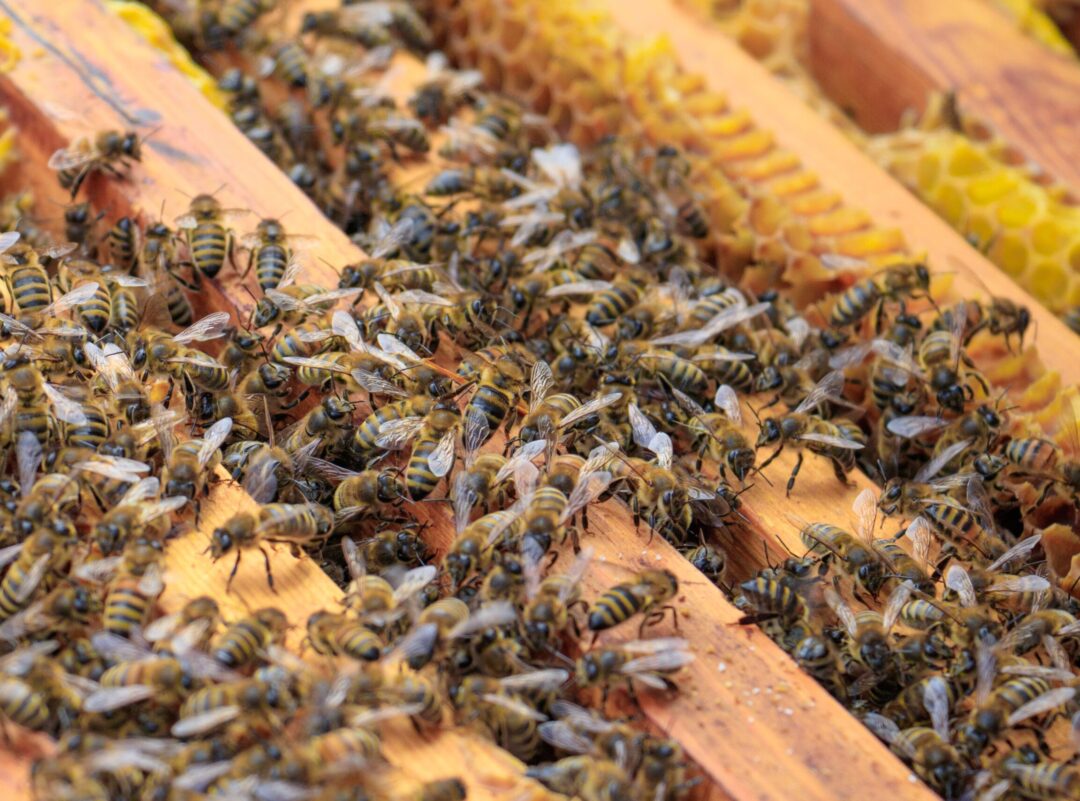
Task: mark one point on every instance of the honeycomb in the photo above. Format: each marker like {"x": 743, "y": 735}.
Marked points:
{"x": 1027, "y": 229}
{"x": 157, "y": 33}
{"x": 571, "y": 64}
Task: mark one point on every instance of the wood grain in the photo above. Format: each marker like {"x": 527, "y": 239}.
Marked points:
{"x": 879, "y": 58}
{"x": 824, "y": 150}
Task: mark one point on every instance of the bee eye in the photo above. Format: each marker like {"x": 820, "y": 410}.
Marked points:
{"x": 669, "y": 496}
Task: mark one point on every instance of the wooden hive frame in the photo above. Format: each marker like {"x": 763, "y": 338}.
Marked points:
{"x": 756, "y": 725}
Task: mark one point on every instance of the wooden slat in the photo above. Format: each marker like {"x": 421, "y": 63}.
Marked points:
{"x": 879, "y": 58}
{"x": 788, "y": 738}
{"x": 824, "y": 150}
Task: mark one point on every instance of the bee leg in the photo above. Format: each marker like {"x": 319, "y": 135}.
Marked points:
{"x": 235, "y": 567}
{"x": 841, "y": 475}
{"x": 269, "y": 572}
{"x": 794, "y": 474}
{"x": 674, "y": 615}
{"x": 769, "y": 461}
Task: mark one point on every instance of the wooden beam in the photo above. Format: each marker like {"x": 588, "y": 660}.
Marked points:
{"x": 825, "y": 151}
{"x": 880, "y": 58}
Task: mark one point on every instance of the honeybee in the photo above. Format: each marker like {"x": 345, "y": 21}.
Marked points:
{"x": 547, "y": 611}
{"x": 329, "y": 423}
{"x": 836, "y": 440}
{"x": 443, "y": 91}
{"x": 935, "y": 760}
{"x": 496, "y": 394}
{"x": 550, "y": 414}
{"x": 245, "y": 640}
{"x": 136, "y": 584}
{"x": 433, "y": 438}
{"x": 720, "y": 433}
{"x": 891, "y": 284}
{"x": 647, "y": 593}
{"x": 199, "y": 615}
{"x": 209, "y": 241}
{"x": 645, "y": 661}
{"x": 864, "y": 564}
{"x": 297, "y": 524}
{"x": 270, "y": 251}
{"x": 108, "y": 151}
{"x": 215, "y": 706}
{"x": 379, "y": 602}
{"x": 188, "y": 463}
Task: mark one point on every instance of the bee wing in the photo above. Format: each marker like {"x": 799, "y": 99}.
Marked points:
{"x": 642, "y": 427}
{"x": 592, "y": 407}
{"x": 723, "y": 355}
{"x": 661, "y": 662}
{"x": 914, "y": 426}
{"x": 395, "y": 434}
{"x": 918, "y": 534}
{"x": 163, "y": 627}
{"x": 956, "y": 331}
{"x": 78, "y": 153}
{"x": 18, "y": 329}
{"x": 978, "y": 502}
{"x": 1019, "y": 584}
{"x": 729, "y": 317}
{"x": 416, "y": 643}
{"x": 315, "y": 363}
{"x": 1044, "y": 703}
{"x": 689, "y": 405}
{"x": 897, "y": 598}
{"x": 99, "y": 570}
{"x": 65, "y": 408}
{"x": 936, "y": 702}
{"x": 421, "y": 296}
{"x": 442, "y": 458}
{"x": 284, "y": 301}
{"x": 578, "y": 288}
{"x": 562, "y": 735}
{"x": 392, "y": 307}
{"x": 141, "y": 490}
{"x": 69, "y": 300}
{"x": 165, "y": 506}
{"x": 116, "y": 468}
{"x": 503, "y": 520}
{"x": 1021, "y": 549}
{"x": 464, "y": 499}
{"x": 831, "y": 441}
{"x": 837, "y": 262}
{"x": 576, "y": 572}
{"x": 728, "y": 402}
{"x": 212, "y": 326}
{"x": 117, "y": 648}
{"x": 628, "y": 251}
{"x": 513, "y": 705}
{"x": 152, "y": 583}
{"x": 540, "y": 383}
{"x": 344, "y": 325}
{"x": 394, "y": 347}
{"x": 491, "y": 615}
{"x": 28, "y": 621}
{"x": 883, "y": 727}
{"x": 354, "y": 560}
{"x": 526, "y": 453}
{"x": 414, "y": 581}
{"x": 829, "y": 387}
{"x": 541, "y": 680}
{"x": 1039, "y": 671}
{"x": 260, "y": 481}
{"x": 32, "y": 579}
{"x": 8, "y": 240}
{"x": 588, "y": 489}
{"x": 28, "y": 457}
{"x": 108, "y": 699}
{"x": 195, "y": 725}
{"x": 842, "y": 611}
{"x": 958, "y": 580}
{"x": 865, "y": 508}
{"x": 376, "y": 385}
{"x": 330, "y": 296}
{"x": 1059, "y": 657}
{"x": 475, "y": 433}
{"x": 655, "y": 645}
{"x": 934, "y": 466}
{"x": 213, "y": 438}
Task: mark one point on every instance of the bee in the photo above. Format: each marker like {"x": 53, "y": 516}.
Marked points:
{"x": 378, "y": 602}
{"x": 1008, "y": 704}
{"x": 891, "y": 284}
{"x": 941, "y": 355}
{"x": 868, "y": 632}
{"x": 247, "y": 639}
{"x": 902, "y": 566}
{"x": 219, "y": 704}
{"x": 367, "y": 492}
{"x": 720, "y": 433}
{"x": 863, "y": 563}
{"x": 646, "y": 593}
{"x": 935, "y": 760}
{"x": 79, "y": 221}
{"x": 500, "y": 705}
{"x": 977, "y": 427}
{"x": 646, "y": 661}
{"x": 235, "y": 16}
{"x": 381, "y": 421}
{"x": 109, "y": 151}
{"x": 496, "y": 394}
{"x": 343, "y": 635}
{"x": 330, "y": 421}
{"x": 200, "y": 614}
{"x": 297, "y": 524}
{"x": 433, "y": 438}
{"x": 472, "y": 551}
{"x": 351, "y": 22}
{"x": 547, "y": 611}
{"x": 188, "y": 463}
{"x": 438, "y": 97}
{"x": 446, "y": 621}
{"x": 836, "y": 440}
{"x": 69, "y": 607}
{"x": 133, "y": 589}
{"x": 271, "y": 251}
{"x": 209, "y": 241}
{"x": 29, "y": 564}
{"x": 584, "y": 777}
{"x": 1037, "y": 778}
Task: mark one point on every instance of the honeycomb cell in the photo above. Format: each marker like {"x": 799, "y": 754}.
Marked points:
{"x": 990, "y": 187}
{"x": 1049, "y": 281}
{"x": 1016, "y": 210}
{"x": 1010, "y": 252}
{"x": 949, "y": 202}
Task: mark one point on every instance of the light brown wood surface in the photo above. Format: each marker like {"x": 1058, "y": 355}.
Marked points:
{"x": 879, "y": 58}
{"x": 824, "y": 150}
{"x": 785, "y": 739}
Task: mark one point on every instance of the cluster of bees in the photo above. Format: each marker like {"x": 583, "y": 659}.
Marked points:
{"x": 540, "y": 330}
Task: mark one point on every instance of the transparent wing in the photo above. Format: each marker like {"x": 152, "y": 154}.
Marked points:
{"x": 540, "y": 383}
{"x": 914, "y": 426}
{"x": 419, "y": 296}
{"x": 958, "y": 580}
{"x": 195, "y": 725}
{"x": 865, "y": 508}
{"x": 588, "y": 489}
{"x": 213, "y": 438}
{"x": 8, "y": 240}
{"x": 28, "y": 457}
{"x": 392, "y": 307}
{"x": 918, "y": 534}
{"x": 1018, "y": 551}
{"x": 212, "y": 326}
{"x": 897, "y": 598}
{"x": 112, "y": 698}
{"x": 442, "y": 458}
{"x": 377, "y": 385}
{"x": 728, "y": 402}
{"x": 661, "y": 662}
{"x": 832, "y": 442}
{"x": 475, "y": 433}
{"x": 578, "y": 288}
{"x": 315, "y": 363}
{"x": 260, "y": 480}
{"x": 934, "y": 466}
{"x": 592, "y": 407}
{"x": 662, "y": 446}
{"x": 1046, "y": 702}
{"x": 492, "y": 615}
{"x": 842, "y": 611}
{"x": 724, "y": 320}
{"x": 142, "y": 490}
{"x": 562, "y": 735}
{"x": 414, "y": 581}
{"x": 936, "y": 701}
{"x": 65, "y": 408}
{"x": 513, "y": 705}
{"x": 548, "y": 679}
{"x": 32, "y": 580}
{"x": 1006, "y": 583}
{"x": 397, "y": 433}
{"x": 78, "y": 153}
{"x": 883, "y": 727}
{"x": 76, "y": 297}
{"x": 575, "y": 573}
{"x": 829, "y": 387}
{"x": 395, "y": 347}
{"x": 642, "y": 427}
{"x": 688, "y": 404}
{"x": 979, "y": 503}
